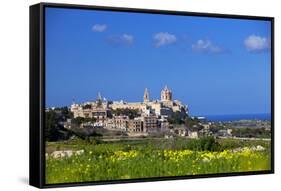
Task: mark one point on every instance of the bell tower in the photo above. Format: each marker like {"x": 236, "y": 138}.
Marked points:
{"x": 166, "y": 94}
{"x": 146, "y": 96}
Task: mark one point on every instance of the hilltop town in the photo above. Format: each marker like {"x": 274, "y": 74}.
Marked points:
{"x": 164, "y": 117}
{"x": 146, "y": 116}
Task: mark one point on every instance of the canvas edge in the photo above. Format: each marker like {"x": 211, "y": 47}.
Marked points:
{"x": 37, "y": 94}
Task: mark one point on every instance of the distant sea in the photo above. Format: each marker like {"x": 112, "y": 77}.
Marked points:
{"x": 236, "y": 117}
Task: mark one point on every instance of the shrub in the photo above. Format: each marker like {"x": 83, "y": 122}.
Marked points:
{"x": 207, "y": 143}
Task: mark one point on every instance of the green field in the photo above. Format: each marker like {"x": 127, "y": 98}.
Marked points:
{"x": 153, "y": 158}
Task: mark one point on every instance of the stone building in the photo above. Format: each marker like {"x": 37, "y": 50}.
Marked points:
{"x": 121, "y": 122}
{"x": 181, "y": 131}
{"x": 117, "y": 122}
{"x": 150, "y": 123}
{"x": 165, "y": 106}
{"x": 98, "y": 110}
{"x": 135, "y": 125}
{"x": 193, "y": 134}
{"x": 154, "y": 113}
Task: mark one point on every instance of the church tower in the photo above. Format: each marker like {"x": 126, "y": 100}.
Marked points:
{"x": 166, "y": 94}
{"x": 99, "y": 100}
{"x": 146, "y": 96}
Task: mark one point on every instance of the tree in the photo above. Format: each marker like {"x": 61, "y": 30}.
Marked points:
{"x": 87, "y": 106}
{"x": 90, "y": 119}
{"x": 78, "y": 120}
{"x": 66, "y": 112}
{"x": 85, "y": 133}
{"x": 176, "y": 118}
{"x": 51, "y": 125}
{"x": 192, "y": 123}
{"x": 131, "y": 113}
{"x": 207, "y": 143}
{"x": 215, "y": 128}
{"x": 53, "y": 130}
{"x": 251, "y": 132}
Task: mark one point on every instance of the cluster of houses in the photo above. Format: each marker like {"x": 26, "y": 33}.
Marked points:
{"x": 152, "y": 116}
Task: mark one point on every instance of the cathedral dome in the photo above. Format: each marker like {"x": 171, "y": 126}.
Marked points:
{"x": 166, "y": 94}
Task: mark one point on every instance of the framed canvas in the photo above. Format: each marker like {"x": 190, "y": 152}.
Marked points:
{"x": 131, "y": 95}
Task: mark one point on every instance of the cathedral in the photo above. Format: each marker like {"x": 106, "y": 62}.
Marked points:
{"x": 166, "y": 94}
{"x": 164, "y": 107}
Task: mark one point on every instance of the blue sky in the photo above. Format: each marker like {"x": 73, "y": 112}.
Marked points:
{"x": 214, "y": 65}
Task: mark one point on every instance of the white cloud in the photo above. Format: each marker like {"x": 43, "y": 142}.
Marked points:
{"x": 206, "y": 46}
{"x": 255, "y": 43}
{"x": 164, "y": 38}
{"x": 129, "y": 39}
{"x": 99, "y": 27}
{"x": 124, "y": 39}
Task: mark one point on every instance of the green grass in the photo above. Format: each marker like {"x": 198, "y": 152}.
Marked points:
{"x": 150, "y": 158}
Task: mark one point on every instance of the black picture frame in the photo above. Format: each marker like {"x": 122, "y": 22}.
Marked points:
{"x": 37, "y": 92}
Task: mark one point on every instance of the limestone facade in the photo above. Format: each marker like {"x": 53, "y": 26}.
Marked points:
{"x": 153, "y": 113}
{"x": 165, "y": 106}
